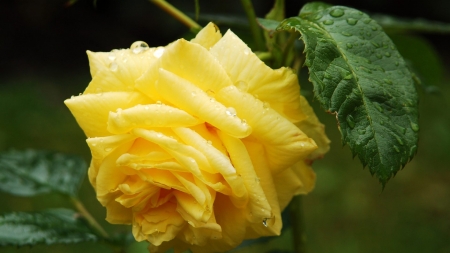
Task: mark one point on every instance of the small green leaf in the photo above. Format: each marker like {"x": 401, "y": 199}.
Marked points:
{"x": 31, "y": 172}
{"x": 49, "y": 227}
{"x": 267, "y": 24}
{"x": 396, "y": 25}
{"x": 359, "y": 75}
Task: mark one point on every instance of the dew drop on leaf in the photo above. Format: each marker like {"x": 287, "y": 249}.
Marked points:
{"x": 350, "y": 121}
{"x": 338, "y": 12}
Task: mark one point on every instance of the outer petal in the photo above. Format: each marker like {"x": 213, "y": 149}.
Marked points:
{"x": 284, "y": 143}
{"x": 277, "y": 87}
{"x": 92, "y": 110}
{"x": 312, "y": 127}
{"x": 208, "y": 36}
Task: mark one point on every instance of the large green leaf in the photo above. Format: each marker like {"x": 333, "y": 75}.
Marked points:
{"x": 401, "y": 25}
{"x": 50, "y": 226}
{"x": 31, "y": 172}
{"x": 359, "y": 76}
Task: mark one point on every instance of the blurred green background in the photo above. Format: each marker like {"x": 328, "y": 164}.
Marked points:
{"x": 43, "y": 62}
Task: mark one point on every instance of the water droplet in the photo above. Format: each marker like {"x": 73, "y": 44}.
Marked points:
{"x": 264, "y": 222}
{"x": 138, "y": 47}
{"x": 414, "y": 127}
{"x": 246, "y": 51}
{"x": 146, "y": 108}
{"x": 108, "y": 149}
{"x": 125, "y": 60}
{"x": 158, "y": 52}
{"x": 338, "y": 12}
{"x": 241, "y": 85}
{"x": 352, "y": 21}
{"x": 361, "y": 131}
{"x": 368, "y": 34}
{"x": 367, "y": 20}
{"x": 399, "y": 140}
{"x": 388, "y": 81}
{"x": 345, "y": 33}
{"x": 327, "y": 76}
{"x": 243, "y": 122}
{"x": 379, "y": 108}
{"x": 396, "y": 63}
{"x": 374, "y": 28}
{"x": 387, "y": 54}
{"x": 210, "y": 93}
{"x": 349, "y": 45}
{"x": 412, "y": 150}
{"x": 348, "y": 77}
{"x": 365, "y": 69}
{"x": 113, "y": 66}
{"x": 159, "y": 135}
{"x": 230, "y": 111}
{"x": 379, "y": 56}
{"x": 209, "y": 142}
{"x": 396, "y": 149}
{"x": 193, "y": 93}
{"x": 328, "y": 22}
{"x": 158, "y": 103}
{"x": 112, "y": 56}
{"x": 266, "y": 106}
{"x": 350, "y": 121}
{"x": 318, "y": 16}
{"x": 212, "y": 100}
{"x": 375, "y": 44}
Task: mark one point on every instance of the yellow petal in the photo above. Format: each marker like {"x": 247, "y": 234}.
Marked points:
{"x": 180, "y": 93}
{"x": 92, "y": 110}
{"x": 219, "y": 162}
{"x": 286, "y": 184}
{"x": 278, "y": 87}
{"x": 306, "y": 175}
{"x": 122, "y": 67}
{"x": 147, "y": 116}
{"x": 264, "y": 178}
{"x": 283, "y": 142}
{"x": 258, "y": 207}
{"x": 312, "y": 127}
{"x": 116, "y": 213}
{"x": 190, "y": 205}
{"x": 208, "y": 36}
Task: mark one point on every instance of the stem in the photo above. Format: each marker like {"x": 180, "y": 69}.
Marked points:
{"x": 264, "y": 56}
{"x": 288, "y": 48}
{"x": 177, "y": 14}
{"x": 254, "y": 28}
{"x": 80, "y": 207}
{"x": 298, "y": 225}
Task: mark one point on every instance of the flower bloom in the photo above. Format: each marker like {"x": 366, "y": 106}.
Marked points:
{"x": 197, "y": 144}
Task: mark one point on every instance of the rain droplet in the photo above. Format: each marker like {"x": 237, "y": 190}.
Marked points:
{"x": 209, "y": 142}
{"x": 327, "y": 76}
{"x": 412, "y": 150}
{"x": 210, "y": 93}
{"x": 338, "y": 12}
{"x": 112, "y": 56}
{"x": 328, "y": 22}
{"x": 158, "y": 103}
{"x": 146, "y": 108}
{"x": 375, "y": 44}
{"x": 318, "y": 16}
{"x": 399, "y": 140}
{"x": 402, "y": 129}
{"x": 108, "y": 149}
{"x": 139, "y": 47}
{"x": 266, "y": 106}
{"x": 264, "y": 222}
{"x": 246, "y": 51}
{"x": 352, "y": 21}
{"x": 379, "y": 56}
{"x": 374, "y": 28}
{"x": 159, "y": 135}
{"x": 193, "y": 93}
{"x": 345, "y": 33}
{"x": 396, "y": 63}
{"x": 367, "y": 20}
{"x": 388, "y": 81}
{"x": 212, "y": 100}
{"x": 381, "y": 122}
{"x": 379, "y": 108}
{"x": 241, "y": 85}
{"x": 348, "y": 77}
{"x": 387, "y": 54}
{"x": 414, "y": 127}
{"x": 158, "y": 52}
{"x": 349, "y": 45}
{"x": 230, "y": 111}
{"x": 396, "y": 149}
{"x": 361, "y": 131}
{"x": 350, "y": 121}
{"x": 243, "y": 122}
{"x": 113, "y": 66}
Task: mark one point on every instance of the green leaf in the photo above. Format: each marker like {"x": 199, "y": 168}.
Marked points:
{"x": 267, "y": 24}
{"x": 397, "y": 25}
{"x": 31, "y": 172}
{"x": 359, "y": 76}
{"x": 49, "y": 227}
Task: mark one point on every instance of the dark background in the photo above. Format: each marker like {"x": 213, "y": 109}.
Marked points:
{"x": 43, "y": 62}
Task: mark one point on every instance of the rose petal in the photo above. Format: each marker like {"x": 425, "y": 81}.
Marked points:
{"x": 147, "y": 116}
{"x": 208, "y": 36}
{"x": 306, "y": 175}
{"x": 92, "y": 110}
{"x": 312, "y": 127}
{"x": 284, "y": 143}
{"x": 277, "y": 87}
{"x": 179, "y": 92}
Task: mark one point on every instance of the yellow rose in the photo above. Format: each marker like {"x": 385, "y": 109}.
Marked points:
{"x": 196, "y": 144}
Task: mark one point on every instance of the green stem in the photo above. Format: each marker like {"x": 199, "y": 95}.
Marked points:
{"x": 264, "y": 56}
{"x": 85, "y": 213}
{"x": 177, "y": 14}
{"x": 289, "y": 47}
{"x": 254, "y": 28}
{"x": 298, "y": 224}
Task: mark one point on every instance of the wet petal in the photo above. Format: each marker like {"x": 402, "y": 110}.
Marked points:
{"x": 179, "y": 92}
{"x": 147, "y": 116}
{"x": 284, "y": 143}
{"x": 277, "y": 87}
{"x": 92, "y": 110}
{"x": 208, "y": 36}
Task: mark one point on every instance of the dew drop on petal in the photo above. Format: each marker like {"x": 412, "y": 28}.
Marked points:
{"x": 139, "y": 47}
{"x": 264, "y": 222}
{"x": 242, "y": 85}
{"x": 158, "y": 103}
{"x": 230, "y": 111}
{"x": 113, "y": 66}
{"x": 158, "y": 52}
{"x": 112, "y": 56}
